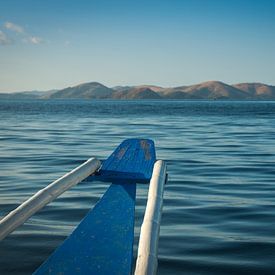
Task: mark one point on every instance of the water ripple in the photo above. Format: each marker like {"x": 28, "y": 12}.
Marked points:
{"x": 219, "y": 209}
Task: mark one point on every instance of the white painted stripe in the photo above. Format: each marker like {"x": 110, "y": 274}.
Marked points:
{"x": 18, "y": 216}
{"x": 147, "y": 259}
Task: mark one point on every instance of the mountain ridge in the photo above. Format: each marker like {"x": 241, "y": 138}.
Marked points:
{"x": 209, "y": 90}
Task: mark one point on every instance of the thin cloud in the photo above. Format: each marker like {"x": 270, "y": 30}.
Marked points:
{"x": 4, "y": 39}
{"x": 19, "y": 30}
{"x": 14, "y": 27}
{"x": 35, "y": 40}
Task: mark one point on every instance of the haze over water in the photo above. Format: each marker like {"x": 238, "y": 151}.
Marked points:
{"x": 219, "y": 209}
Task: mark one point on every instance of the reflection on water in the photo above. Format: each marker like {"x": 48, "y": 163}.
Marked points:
{"x": 219, "y": 209}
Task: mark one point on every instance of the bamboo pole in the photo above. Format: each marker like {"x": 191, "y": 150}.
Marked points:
{"x": 147, "y": 259}
{"x": 18, "y": 216}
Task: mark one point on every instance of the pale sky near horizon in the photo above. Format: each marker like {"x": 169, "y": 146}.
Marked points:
{"x": 54, "y": 44}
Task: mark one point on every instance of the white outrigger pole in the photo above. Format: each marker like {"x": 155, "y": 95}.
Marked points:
{"x": 147, "y": 259}
{"x": 18, "y": 216}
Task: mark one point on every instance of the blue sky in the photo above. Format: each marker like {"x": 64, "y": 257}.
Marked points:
{"x": 55, "y": 44}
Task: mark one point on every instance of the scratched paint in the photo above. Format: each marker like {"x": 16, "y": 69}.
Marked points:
{"x": 122, "y": 152}
{"x": 146, "y": 148}
{"x": 133, "y": 159}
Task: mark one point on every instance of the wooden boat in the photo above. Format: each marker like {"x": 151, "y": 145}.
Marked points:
{"x": 103, "y": 241}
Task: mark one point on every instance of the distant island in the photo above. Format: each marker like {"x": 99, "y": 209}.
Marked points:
{"x": 211, "y": 90}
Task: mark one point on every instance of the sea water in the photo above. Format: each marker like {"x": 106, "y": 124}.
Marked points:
{"x": 219, "y": 203}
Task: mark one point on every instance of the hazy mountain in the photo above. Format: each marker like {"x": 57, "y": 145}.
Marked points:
{"x": 153, "y": 88}
{"x": 136, "y": 93}
{"x": 26, "y": 95}
{"x": 127, "y": 88}
{"x": 205, "y": 90}
{"x": 92, "y": 90}
{"x": 209, "y": 90}
{"x": 173, "y": 91}
{"x": 17, "y": 96}
{"x": 257, "y": 90}
{"x": 121, "y": 88}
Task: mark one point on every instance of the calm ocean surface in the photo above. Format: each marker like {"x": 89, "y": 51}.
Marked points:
{"x": 219, "y": 205}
